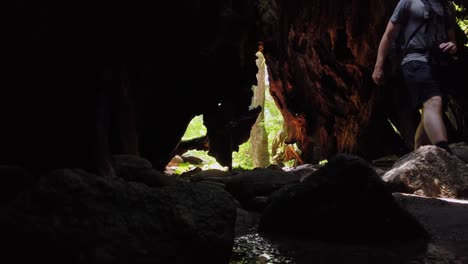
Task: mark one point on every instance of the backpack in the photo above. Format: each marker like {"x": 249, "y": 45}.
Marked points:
{"x": 398, "y": 50}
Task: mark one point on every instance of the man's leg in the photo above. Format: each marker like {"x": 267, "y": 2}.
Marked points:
{"x": 433, "y": 122}
{"x": 420, "y": 137}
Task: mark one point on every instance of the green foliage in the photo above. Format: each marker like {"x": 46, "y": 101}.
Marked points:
{"x": 183, "y": 167}
{"x": 208, "y": 161}
{"x": 243, "y": 158}
{"x": 323, "y": 162}
{"x": 195, "y": 128}
{"x": 462, "y": 21}
{"x": 273, "y": 119}
{"x": 289, "y": 163}
{"x": 394, "y": 127}
{"x": 273, "y": 123}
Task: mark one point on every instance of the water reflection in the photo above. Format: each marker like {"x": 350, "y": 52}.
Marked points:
{"x": 253, "y": 248}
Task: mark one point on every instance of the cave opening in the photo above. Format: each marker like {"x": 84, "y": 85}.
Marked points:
{"x": 97, "y": 98}
{"x": 265, "y": 146}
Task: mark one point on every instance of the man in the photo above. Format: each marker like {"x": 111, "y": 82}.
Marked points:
{"x": 427, "y": 29}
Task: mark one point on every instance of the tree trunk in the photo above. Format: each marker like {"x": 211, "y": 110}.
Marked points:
{"x": 320, "y": 56}
{"x": 258, "y": 134}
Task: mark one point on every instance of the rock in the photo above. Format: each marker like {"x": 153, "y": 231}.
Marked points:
{"x": 246, "y": 186}
{"x": 260, "y": 202}
{"x": 431, "y": 171}
{"x": 460, "y": 150}
{"x": 344, "y": 201}
{"x": 175, "y": 161}
{"x": 304, "y": 170}
{"x": 274, "y": 167}
{"x": 137, "y": 169}
{"x": 246, "y": 222}
{"x": 380, "y": 171}
{"x": 386, "y": 161}
{"x": 187, "y": 175}
{"x": 72, "y": 216}
{"x": 211, "y": 174}
{"x": 216, "y": 184}
{"x": 192, "y": 159}
{"x": 444, "y": 219}
{"x": 263, "y": 259}
{"x": 259, "y": 182}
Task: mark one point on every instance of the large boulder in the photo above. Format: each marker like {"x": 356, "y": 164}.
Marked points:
{"x": 343, "y": 201}
{"x": 70, "y": 216}
{"x": 431, "y": 171}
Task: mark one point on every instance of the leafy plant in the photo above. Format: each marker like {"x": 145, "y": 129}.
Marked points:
{"x": 208, "y": 161}
{"x": 462, "y": 19}
{"x": 273, "y": 119}
{"x": 243, "y": 157}
{"x": 195, "y": 128}
{"x": 183, "y": 167}
{"x": 273, "y": 123}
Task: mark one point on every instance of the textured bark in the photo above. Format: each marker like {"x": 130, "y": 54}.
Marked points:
{"x": 258, "y": 134}
{"x": 227, "y": 61}
{"x": 99, "y": 79}
{"x": 320, "y": 56}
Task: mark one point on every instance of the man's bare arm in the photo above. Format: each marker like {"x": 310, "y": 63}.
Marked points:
{"x": 389, "y": 35}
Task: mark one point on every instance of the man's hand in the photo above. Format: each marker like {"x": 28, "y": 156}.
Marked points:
{"x": 448, "y": 47}
{"x": 378, "y": 76}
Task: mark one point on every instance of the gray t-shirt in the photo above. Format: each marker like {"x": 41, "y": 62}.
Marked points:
{"x": 411, "y": 14}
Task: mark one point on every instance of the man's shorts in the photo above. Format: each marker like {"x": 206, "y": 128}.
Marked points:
{"x": 421, "y": 81}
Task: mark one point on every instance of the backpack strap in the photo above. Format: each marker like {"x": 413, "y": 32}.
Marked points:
{"x": 426, "y": 19}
